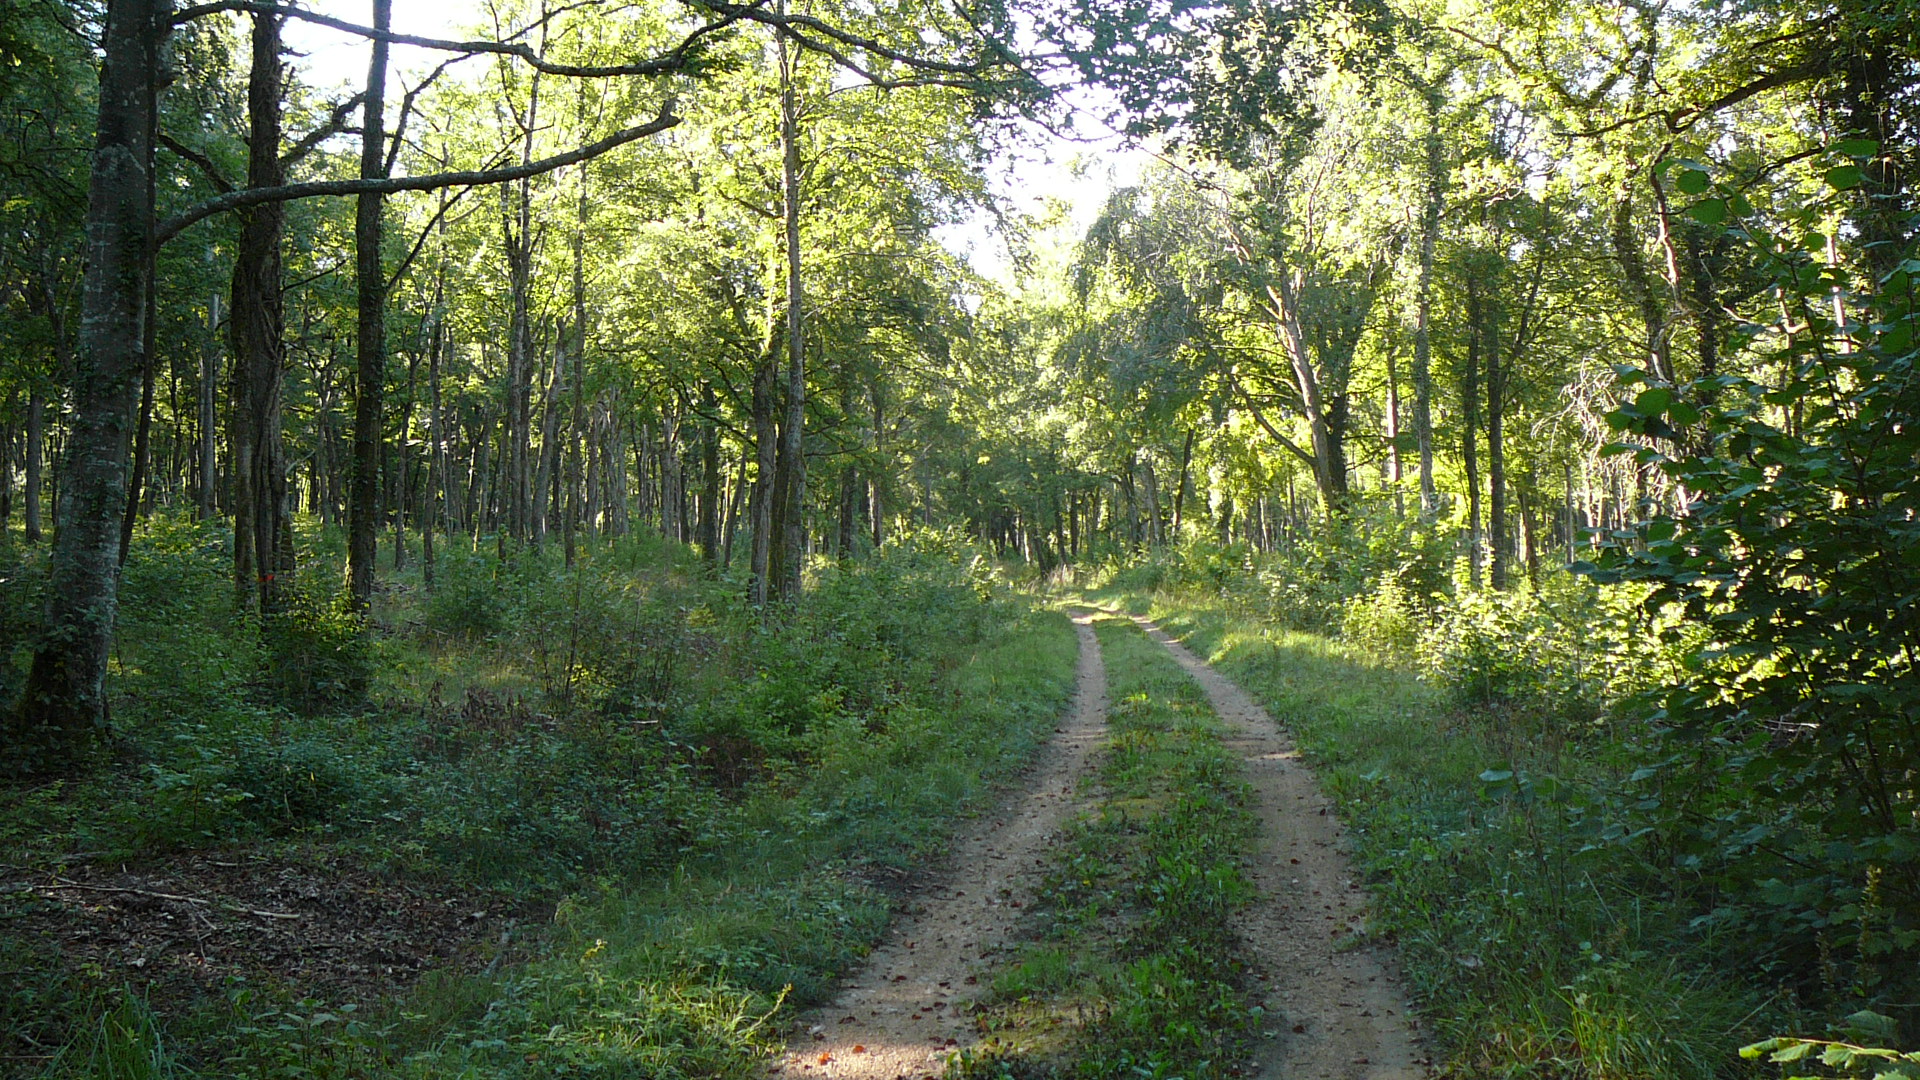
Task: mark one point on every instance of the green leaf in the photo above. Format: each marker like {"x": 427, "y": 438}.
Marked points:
{"x": 1653, "y": 401}
{"x": 1691, "y": 180}
{"x": 1857, "y": 148}
{"x": 1844, "y": 177}
{"x": 1793, "y": 1051}
{"x": 1708, "y": 211}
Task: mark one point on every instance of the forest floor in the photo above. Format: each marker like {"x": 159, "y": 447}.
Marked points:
{"x": 1331, "y": 1000}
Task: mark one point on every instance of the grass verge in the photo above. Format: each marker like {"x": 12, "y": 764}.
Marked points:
{"x": 1132, "y": 968}
{"x": 1533, "y": 949}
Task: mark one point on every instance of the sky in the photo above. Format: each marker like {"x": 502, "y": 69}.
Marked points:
{"x": 1045, "y": 167}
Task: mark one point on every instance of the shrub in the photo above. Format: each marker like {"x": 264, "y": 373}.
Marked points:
{"x": 1383, "y": 622}
{"x": 316, "y": 651}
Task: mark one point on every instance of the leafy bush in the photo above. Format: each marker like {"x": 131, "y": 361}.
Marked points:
{"x": 468, "y": 599}
{"x": 316, "y": 650}
{"x": 1790, "y": 741}
{"x": 1383, "y": 622}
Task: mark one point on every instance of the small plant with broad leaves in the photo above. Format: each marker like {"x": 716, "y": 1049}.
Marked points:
{"x": 1840, "y": 1058}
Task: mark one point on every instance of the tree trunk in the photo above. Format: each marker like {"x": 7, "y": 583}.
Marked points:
{"x": 760, "y": 514}
{"x": 1496, "y": 456}
{"x": 143, "y": 430}
{"x": 1423, "y": 325}
{"x": 370, "y": 276}
{"x": 793, "y": 459}
{"x": 1395, "y": 469}
{"x": 430, "y": 515}
{"x": 1469, "y": 433}
{"x": 548, "y": 469}
{"x": 1180, "y": 492}
{"x": 875, "y": 501}
{"x": 36, "y": 447}
{"x": 62, "y": 712}
{"x": 1150, "y": 487}
{"x": 257, "y": 325}
{"x": 209, "y": 413}
{"x": 709, "y": 475}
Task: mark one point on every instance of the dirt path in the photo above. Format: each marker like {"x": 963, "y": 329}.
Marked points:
{"x": 1340, "y": 1010}
{"x": 902, "y": 1013}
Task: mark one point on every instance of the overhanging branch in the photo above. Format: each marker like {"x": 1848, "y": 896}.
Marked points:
{"x": 245, "y": 197}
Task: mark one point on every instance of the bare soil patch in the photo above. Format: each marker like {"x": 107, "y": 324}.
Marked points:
{"x": 184, "y": 926}
{"x": 907, "y": 1009}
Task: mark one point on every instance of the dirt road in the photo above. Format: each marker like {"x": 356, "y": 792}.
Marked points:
{"x": 1335, "y": 1007}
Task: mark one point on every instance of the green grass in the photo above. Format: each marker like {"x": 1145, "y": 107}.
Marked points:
{"x": 1532, "y": 949}
{"x": 1132, "y": 969}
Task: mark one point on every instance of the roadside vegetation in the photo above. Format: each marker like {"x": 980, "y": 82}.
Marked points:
{"x": 1132, "y": 970}
{"x": 659, "y": 823}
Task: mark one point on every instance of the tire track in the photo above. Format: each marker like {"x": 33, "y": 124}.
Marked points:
{"x": 905, "y": 1010}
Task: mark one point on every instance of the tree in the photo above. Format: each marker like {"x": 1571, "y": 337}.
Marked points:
{"x": 61, "y": 714}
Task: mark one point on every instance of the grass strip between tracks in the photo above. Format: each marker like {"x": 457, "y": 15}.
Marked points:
{"x": 1132, "y": 969}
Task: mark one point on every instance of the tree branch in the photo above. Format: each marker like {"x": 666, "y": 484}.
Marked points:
{"x": 198, "y": 159}
{"x": 336, "y": 124}
{"x": 245, "y": 197}
{"x": 679, "y": 58}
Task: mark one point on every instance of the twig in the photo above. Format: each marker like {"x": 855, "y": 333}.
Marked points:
{"x": 66, "y": 884}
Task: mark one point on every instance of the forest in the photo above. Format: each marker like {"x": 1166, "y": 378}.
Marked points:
{"x": 543, "y": 553}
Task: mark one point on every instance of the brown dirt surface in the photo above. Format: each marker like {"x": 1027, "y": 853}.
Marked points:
{"x": 907, "y": 1009}
{"x": 182, "y": 926}
{"x": 1334, "y": 998}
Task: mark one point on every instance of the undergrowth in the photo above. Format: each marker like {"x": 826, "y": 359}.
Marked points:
{"x": 1132, "y": 970}
{"x": 704, "y": 799}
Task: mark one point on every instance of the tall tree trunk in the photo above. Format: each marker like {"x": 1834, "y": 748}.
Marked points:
{"x": 257, "y": 325}
{"x": 547, "y": 469}
{"x": 36, "y": 447}
{"x": 1496, "y": 456}
{"x": 6, "y": 474}
{"x": 576, "y": 441}
{"x": 363, "y": 515}
{"x": 672, "y": 523}
{"x": 876, "y": 504}
{"x": 516, "y": 204}
{"x": 1180, "y": 491}
{"x": 143, "y": 427}
{"x": 402, "y": 460}
{"x": 1469, "y": 431}
{"x": 793, "y": 459}
{"x": 618, "y": 510}
{"x": 732, "y": 525}
{"x": 1423, "y": 326}
{"x": 62, "y": 711}
{"x": 709, "y": 475}
{"x": 209, "y": 413}
{"x": 760, "y": 513}
{"x": 1395, "y": 467}
{"x": 430, "y": 514}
